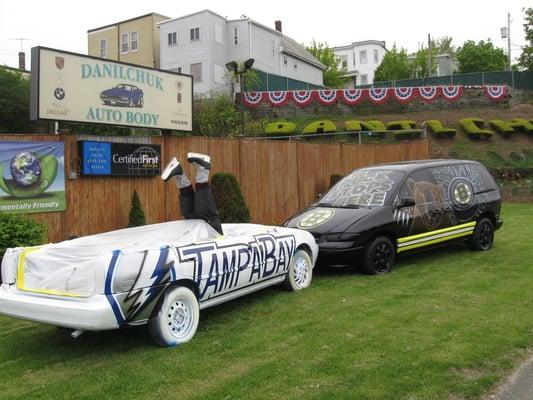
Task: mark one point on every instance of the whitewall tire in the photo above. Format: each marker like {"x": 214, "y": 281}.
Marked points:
{"x": 300, "y": 271}
{"x": 176, "y": 319}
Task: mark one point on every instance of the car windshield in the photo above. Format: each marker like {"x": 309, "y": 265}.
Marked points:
{"x": 120, "y": 86}
{"x": 364, "y": 187}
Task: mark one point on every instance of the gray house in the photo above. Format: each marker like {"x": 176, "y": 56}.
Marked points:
{"x": 201, "y": 44}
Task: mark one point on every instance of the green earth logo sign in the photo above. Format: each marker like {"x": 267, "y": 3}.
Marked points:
{"x": 31, "y": 174}
{"x": 315, "y": 218}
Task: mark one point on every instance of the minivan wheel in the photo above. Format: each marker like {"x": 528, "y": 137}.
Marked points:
{"x": 379, "y": 256}
{"x": 483, "y": 235}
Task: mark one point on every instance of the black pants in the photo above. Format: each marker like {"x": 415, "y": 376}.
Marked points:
{"x": 200, "y": 205}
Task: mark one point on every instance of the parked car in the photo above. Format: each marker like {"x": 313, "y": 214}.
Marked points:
{"x": 160, "y": 274}
{"x": 375, "y": 213}
{"x": 123, "y": 95}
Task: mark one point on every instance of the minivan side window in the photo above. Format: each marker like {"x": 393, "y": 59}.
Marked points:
{"x": 481, "y": 178}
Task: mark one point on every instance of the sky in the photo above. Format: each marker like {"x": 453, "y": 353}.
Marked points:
{"x": 63, "y": 24}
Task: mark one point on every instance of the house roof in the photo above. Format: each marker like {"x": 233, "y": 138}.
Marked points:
{"x": 361, "y": 43}
{"x": 126, "y": 20}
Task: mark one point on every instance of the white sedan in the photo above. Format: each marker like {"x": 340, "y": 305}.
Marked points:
{"x": 160, "y": 274}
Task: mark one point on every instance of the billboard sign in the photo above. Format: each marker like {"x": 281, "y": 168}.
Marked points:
{"x": 32, "y": 177}
{"x": 78, "y": 88}
{"x": 124, "y": 159}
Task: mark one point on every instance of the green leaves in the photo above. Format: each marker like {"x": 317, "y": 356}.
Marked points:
{"x": 526, "y": 58}
{"x": 394, "y": 65}
{"x": 480, "y": 57}
{"x": 334, "y": 74}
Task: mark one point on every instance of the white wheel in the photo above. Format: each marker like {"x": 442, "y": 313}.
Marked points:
{"x": 300, "y": 271}
{"x": 177, "y": 318}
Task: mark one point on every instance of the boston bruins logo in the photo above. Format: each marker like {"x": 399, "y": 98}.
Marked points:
{"x": 315, "y": 218}
{"x": 462, "y": 193}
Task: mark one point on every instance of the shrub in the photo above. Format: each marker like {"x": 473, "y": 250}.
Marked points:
{"x": 501, "y": 127}
{"x": 334, "y": 178}
{"x": 405, "y": 134}
{"x": 280, "y": 128}
{"x": 216, "y": 117}
{"x": 18, "y": 230}
{"x": 320, "y": 127}
{"x": 439, "y": 130}
{"x": 353, "y": 126}
{"x": 229, "y": 199}
{"x": 472, "y": 127}
{"x": 374, "y": 126}
{"x": 522, "y": 125}
{"x": 399, "y": 125}
{"x": 377, "y": 125}
{"x": 136, "y": 217}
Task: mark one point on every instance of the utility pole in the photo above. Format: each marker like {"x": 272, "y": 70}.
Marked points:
{"x": 429, "y": 55}
{"x": 509, "y": 40}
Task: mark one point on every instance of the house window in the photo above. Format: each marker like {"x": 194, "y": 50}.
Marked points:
{"x": 103, "y": 48}
{"x": 134, "y": 44}
{"x": 179, "y": 70}
{"x": 353, "y": 58}
{"x": 364, "y": 79}
{"x": 196, "y": 72}
{"x": 344, "y": 61}
{"x": 362, "y": 56}
{"x": 273, "y": 43}
{"x": 219, "y": 38}
{"x": 173, "y": 38}
{"x": 235, "y": 35}
{"x": 284, "y": 60}
{"x": 376, "y": 57}
{"x": 195, "y": 34}
{"x": 295, "y": 66}
{"x": 124, "y": 43}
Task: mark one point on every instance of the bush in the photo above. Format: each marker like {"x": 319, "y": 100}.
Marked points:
{"x": 280, "y": 128}
{"x": 401, "y": 125}
{"x": 216, "y": 117}
{"x": 14, "y": 102}
{"x": 352, "y": 126}
{"x": 320, "y": 127}
{"x": 501, "y": 127}
{"x": 472, "y": 127}
{"x": 439, "y": 130}
{"x": 17, "y": 230}
{"x": 229, "y": 199}
{"x": 406, "y": 134}
{"x": 522, "y": 125}
{"x": 334, "y": 178}
{"x": 374, "y": 126}
{"x": 137, "y": 217}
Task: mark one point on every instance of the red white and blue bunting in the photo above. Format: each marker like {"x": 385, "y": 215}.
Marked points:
{"x": 353, "y": 97}
{"x": 495, "y": 93}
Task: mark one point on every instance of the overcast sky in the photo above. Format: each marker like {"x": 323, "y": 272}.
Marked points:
{"x": 63, "y": 24}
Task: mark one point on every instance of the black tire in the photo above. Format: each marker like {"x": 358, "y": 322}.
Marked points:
{"x": 140, "y": 102}
{"x": 378, "y": 257}
{"x": 176, "y": 318}
{"x": 483, "y": 236}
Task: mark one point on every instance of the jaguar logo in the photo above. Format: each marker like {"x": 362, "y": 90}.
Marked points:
{"x": 60, "y": 62}
{"x": 315, "y": 218}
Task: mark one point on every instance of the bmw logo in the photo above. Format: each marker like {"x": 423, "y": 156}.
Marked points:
{"x": 315, "y": 218}
{"x": 59, "y": 93}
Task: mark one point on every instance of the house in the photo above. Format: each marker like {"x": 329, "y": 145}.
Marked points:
{"x": 361, "y": 60}
{"x": 135, "y": 40}
{"x": 446, "y": 65}
{"x": 201, "y": 44}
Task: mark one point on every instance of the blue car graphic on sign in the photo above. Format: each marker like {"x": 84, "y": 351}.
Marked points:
{"x": 123, "y": 95}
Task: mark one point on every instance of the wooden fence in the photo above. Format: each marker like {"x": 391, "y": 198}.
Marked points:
{"x": 277, "y": 178}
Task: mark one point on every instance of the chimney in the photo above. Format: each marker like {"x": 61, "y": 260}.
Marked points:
{"x": 278, "y": 26}
{"x": 22, "y": 60}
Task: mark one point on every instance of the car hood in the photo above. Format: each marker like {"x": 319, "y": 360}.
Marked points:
{"x": 113, "y": 92}
{"x": 321, "y": 220}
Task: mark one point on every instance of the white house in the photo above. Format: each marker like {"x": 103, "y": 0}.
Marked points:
{"x": 361, "y": 60}
{"x": 201, "y": 44}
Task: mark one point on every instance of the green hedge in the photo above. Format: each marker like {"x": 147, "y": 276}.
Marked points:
{"x": 17, "y": 230}
{"x": 405, "y": 134}
{"x": 472, "y": 127}
{"x": 501, "y": 127}
{"x": 280, "y": 128}
{"x": 401, "y": 125}
{"x": 229, "y": 199}
{"x": 320, "y": 127}
{"x": 522, "y": 125}
{"x": 353, "y": 126}
{"x": 439, "y": 130}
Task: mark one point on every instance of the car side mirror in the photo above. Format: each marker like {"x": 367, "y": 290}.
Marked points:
{"x": 406, "y": 202}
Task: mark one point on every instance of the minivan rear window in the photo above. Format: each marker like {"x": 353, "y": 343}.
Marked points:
{"x": 363, "y": 188}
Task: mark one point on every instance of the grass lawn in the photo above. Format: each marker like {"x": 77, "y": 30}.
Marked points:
{"x": 441, "y": 325}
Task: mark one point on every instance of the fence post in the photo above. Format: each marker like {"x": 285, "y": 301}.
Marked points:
{"x": 482, "y": 79}
{"x": 512, "y": 79}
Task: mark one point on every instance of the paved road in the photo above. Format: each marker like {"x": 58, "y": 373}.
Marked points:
{"x": 519, "y": 386}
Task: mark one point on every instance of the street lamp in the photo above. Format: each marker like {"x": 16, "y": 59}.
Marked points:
{"x": 240, "y": 71}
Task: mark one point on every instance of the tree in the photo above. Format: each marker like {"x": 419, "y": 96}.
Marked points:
{"x": 137, "y": 217}
{"x": 14, "y": 102}
{"x": 526, "y": 58}
{"x": 419, "y": 65}
{"x": 229, "y": 199}
{"x": 480, "y": 57}
{"x": 443, "y": 45}
{"x": 394, "y": 65}
{"x": 334, "y": 74}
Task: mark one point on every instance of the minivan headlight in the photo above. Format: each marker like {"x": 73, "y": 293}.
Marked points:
{"x": 342, "y": 237}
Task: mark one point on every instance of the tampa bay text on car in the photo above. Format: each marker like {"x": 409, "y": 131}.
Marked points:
{"x": 375, "y": 213}
{"x": 160, "y": 274}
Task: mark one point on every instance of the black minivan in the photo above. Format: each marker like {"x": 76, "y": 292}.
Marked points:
{"x": 377, "y": 212}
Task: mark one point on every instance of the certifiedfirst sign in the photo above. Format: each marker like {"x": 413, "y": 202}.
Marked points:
{"x": 126, "y": 159}
{"x": 73, "y": 87}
